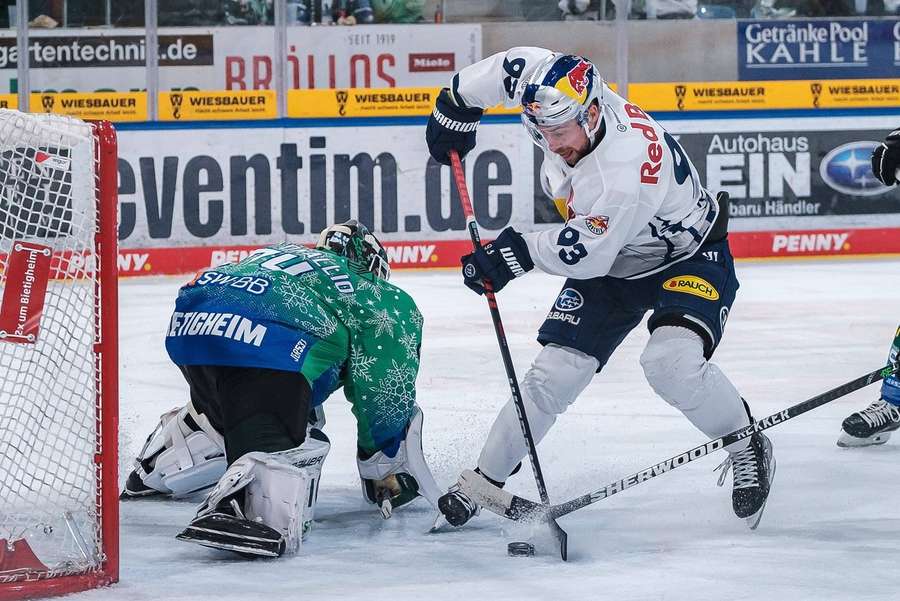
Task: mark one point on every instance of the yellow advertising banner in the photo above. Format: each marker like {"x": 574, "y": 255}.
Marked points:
{"x": 368, "y": 102}
{"x": 855, "y": 93}
{"x": 219, "y": 105}
{"x": 9, "y": 101}
{"x": 751, "y": 95}
{"x": 113, "y": 106}
{"x": 361, "y": 102}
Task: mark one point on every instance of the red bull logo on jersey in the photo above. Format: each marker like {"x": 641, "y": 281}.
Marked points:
{"x": 691, "y": 284}
{"x": 641, "y": 122}
{"x": 576, "y": 83}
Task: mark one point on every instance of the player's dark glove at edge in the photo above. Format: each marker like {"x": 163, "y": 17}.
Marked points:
{"x": 886, "y": 159}
{"x": 499, "y": 261}
{"x": 451, "y": 127}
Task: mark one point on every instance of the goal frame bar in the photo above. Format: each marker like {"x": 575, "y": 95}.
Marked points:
{"x": 106, "y": 365}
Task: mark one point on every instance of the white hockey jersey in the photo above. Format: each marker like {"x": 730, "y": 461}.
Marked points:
{"x": 633, "y": 205}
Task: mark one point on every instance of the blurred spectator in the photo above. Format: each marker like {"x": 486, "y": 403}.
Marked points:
{"x": 398, "y": 11}
{"x": 353, "y": 12}
{"x": 171, "y": 13}
{"x": 41, "y": 13}
{"x": 249, "y": 12}
{"x": 579, "y": 10}
{"x": 664, "y": 9}
{"x": 342, "y": 12}
{"x": 766, "y": 9}
{"x": 671, "y": 9}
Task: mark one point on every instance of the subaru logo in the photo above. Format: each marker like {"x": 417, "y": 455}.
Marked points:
{"x": 469, "y": 270}
{"x": 848, "y": 169}
{"x": 569, "y": 300}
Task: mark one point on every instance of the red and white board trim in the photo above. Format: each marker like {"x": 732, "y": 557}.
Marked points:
{"x": 421, "y": 254}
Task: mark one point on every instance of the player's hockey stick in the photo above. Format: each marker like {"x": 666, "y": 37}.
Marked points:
{"x": 514, "y": 507}
{"x": 460, "y": 177}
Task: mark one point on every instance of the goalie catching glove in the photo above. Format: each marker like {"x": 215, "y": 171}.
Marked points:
{"x": 391, "y": 481}
{"x": 499, "y": 261}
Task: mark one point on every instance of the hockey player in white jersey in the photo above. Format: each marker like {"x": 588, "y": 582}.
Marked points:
{"x": 640, "y": 234}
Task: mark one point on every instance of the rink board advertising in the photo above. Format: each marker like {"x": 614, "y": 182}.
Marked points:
{"x": 766, "y": 95}
{"x": 818, "y": 49}
{"x": 198, "y": 197}
{"x": 241, "y": 58}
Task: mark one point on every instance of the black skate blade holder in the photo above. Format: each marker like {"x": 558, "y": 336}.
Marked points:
{"x": 561, "y": 537}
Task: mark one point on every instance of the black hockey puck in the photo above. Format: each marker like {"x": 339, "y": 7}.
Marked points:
{"x": 520, "y": 549}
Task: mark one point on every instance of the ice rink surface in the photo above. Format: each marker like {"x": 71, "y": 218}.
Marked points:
{"x": 831, "y": 530}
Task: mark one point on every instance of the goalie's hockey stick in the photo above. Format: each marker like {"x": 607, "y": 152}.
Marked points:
{"x": 514, "y": 507}
{"x": 460, "y": 177}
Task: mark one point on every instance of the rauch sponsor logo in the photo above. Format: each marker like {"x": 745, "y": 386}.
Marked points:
{"x": 691, "y": 284}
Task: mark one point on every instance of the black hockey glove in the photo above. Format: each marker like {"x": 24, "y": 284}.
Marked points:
{"x": 451, "y": 127}
{"x": 886, "y": 159}
{"x": 499, "y": 261}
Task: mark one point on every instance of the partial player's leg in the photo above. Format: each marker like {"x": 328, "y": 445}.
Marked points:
{"x": 693, "y": 301}
{"x": 264, "y": 503}
{"x": 874, "y": 424}
{"x": 182, "y": 456}
{"x": 185, "y": 453}
{"x": 588, "y": 321}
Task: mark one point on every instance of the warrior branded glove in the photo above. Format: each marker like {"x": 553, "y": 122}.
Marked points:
{"x": 451, "y": 127}
{"x": 886, "y": 159}
{"x": 505, "y": 258}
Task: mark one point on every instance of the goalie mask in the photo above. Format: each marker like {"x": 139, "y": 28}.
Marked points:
{"x": 362, "y": 249}
{"x": 561, "y": 89}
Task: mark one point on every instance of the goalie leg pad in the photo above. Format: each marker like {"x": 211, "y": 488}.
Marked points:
{"x": 183, "y": 455}
{"x": 383, "y": 478}
{"x": 277, "y": 490}
{"x": 677, "y": 370}
{"x": 308, "y": 457}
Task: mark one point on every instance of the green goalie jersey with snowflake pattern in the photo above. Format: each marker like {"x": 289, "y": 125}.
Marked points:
{"x": 293, "y": 308}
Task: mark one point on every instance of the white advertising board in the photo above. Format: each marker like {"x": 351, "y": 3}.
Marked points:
{"x": 238, "y": 58}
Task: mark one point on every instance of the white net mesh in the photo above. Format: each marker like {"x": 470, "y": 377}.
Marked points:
{"x": 48, "y": 388}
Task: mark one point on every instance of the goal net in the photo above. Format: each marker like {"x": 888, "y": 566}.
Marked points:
{"x": 58, "y": 356}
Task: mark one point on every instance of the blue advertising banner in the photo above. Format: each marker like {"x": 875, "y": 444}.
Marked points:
{"x": 819, "y": 49}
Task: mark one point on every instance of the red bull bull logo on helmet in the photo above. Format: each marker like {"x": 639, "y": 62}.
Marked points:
{"x": 577, "y": 82}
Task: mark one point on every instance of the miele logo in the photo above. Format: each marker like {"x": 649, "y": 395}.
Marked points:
{"x": 432, "y": 61}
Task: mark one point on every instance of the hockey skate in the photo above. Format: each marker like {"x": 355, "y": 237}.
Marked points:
{"x": 753, "y": 472}
{"x": 229, "y": 529}
{"x": 136, "y": 489}
{"x": 871, "y": 426}
{"x": 457, "y": 507}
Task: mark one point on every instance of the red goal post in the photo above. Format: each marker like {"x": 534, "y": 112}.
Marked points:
{"x": 59, "y": 530}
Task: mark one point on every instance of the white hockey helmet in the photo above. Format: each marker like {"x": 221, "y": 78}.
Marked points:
{"x": 562, "y": 88}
